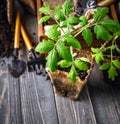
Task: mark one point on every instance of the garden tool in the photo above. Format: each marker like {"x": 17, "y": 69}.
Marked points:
{"x": 35, "y": 63}
{"x": 16, "y": 67}
{"x": 105, "y": 2}
{"x": 82, "y": 6}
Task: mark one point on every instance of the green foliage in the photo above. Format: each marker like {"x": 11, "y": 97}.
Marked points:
{"x": 83, "y": 21}
{"x": 80, "y": 65}
{"x": 73, "y": 20}
{"x": 116, "y": 63}
{"x": 119, "y": 6}
{"x": 64, "y": 52}
{"x": 87, "y": 35}
{"x": 111, "y": 25}
{"x": 112, "y": 72}
{"x": 105, "y": 66}
{"x": 62, "y": 37}
{"x": 44, "y": 46}
{"x": 64, "y": 63}
{"x": 52, "y": 60}
{"x": 102, "y": 33}
{"x": 45, "y": 10}
{"x": 44, "y": 19}
{"x": 100, "y": 13}
{"x": 58, "y": 14}
{"x": 72, "y": 74}
{"x": 53, "y": 32}
{"x": 72, "y": 41}
{"x": 67, "y": 7}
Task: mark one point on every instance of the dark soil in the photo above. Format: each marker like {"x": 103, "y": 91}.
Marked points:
{"x": 6, "y": 34}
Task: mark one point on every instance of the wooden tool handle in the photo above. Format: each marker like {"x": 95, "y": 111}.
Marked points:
{"x": 39, "y": 16}
{"x": 113, "y": 12}
{"x": 26, "y": 38}
{"x": 105, "y": 3}
{"x": 17, "y": 31}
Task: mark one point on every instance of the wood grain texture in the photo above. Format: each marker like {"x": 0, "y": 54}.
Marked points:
{"x": 75, "y": 112}
{"x": 103, "y": 100}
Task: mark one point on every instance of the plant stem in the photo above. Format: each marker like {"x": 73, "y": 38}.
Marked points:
{"x": 57, "y": 23}
{"x": 91, "y": 24}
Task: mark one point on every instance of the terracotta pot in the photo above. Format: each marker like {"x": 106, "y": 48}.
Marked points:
{"x": 63, "y": 85}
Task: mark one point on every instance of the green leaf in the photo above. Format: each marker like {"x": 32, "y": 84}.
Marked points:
{"x": 45, "y": 9}
{"x": 73, "y": 20}
{"x": 100, "y": 13}
{"x": 64, "y": 24}
{"x": 53, "y": 32}
{"x": 112, "y": 25}
{"x": 44, "y": 46}
{"x": 116, "y": 63}
{"x": 58, "y": 13}
{"x": 44, "y": 19}
{"x": 112, "y": 73}
{"x": 119, "y": 6}
{"x": 84, "y": 59}
{"x": 102, "y": 33}
{"x": 83, "y": 20}
{"x": 64, "y": 52}
{"x": 72, "y": 41}
{"x": 87, "y": 35}
{"x": 95, "y": 50}
{"x": 64, "y": 64}
{"x": 52, "y": 60}
{"x": 99, "y": 57}
{"x": 72, "y": 74}
{"x": 67, "y": 7}
{"x": 81, "y": 65}
{"x": 105, "y": 66}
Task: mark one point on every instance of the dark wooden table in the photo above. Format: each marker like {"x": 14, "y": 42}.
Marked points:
{"x": 30, "y": 99}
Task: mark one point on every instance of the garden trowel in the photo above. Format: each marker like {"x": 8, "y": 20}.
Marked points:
{"x": 16, "y": 67}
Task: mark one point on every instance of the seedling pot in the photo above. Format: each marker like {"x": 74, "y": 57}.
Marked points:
{"x": 63, "y": 86}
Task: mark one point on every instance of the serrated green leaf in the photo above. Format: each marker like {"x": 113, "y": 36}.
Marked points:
{"x": 67, "y": 7}
{"x": 80, "y": 65}
{"x": 44, "y": 19}
{"x": 72, "y": 41}
{"x": 100, "y": 13}
{"x": 99, "y": 57}
{"x": 111, "y": 25}
{"x": 64, "y": 24}
{"x": 95, "y": 50}
{"x": 64, "y": 64}
{"x": 102, "y": 33}
{"x": 58, "y": 13}
{"x": 105, "y": 66}
{"x": 53, "y": 32}
{"x": 72, "y": 74}
{"x": 45, "y": 9}
{"x": 44, "y": 46}
{"x": 112, "y": 73}
{"x": 73, "y": 20}
{"x": 83, "y": 20}
{"x": 117, "y": 34}
{"x": 64, "y": 52}
{"x": 87, "y": 35}
{"x": 52, "y": 60}
{"x": 116, "y": 63}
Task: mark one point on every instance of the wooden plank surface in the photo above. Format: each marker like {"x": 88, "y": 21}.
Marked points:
{"x": 104, "y": 98}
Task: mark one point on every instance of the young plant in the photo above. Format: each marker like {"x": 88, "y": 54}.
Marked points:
{"x": 62, "y": 37}
{"x": 114, "y": 62}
